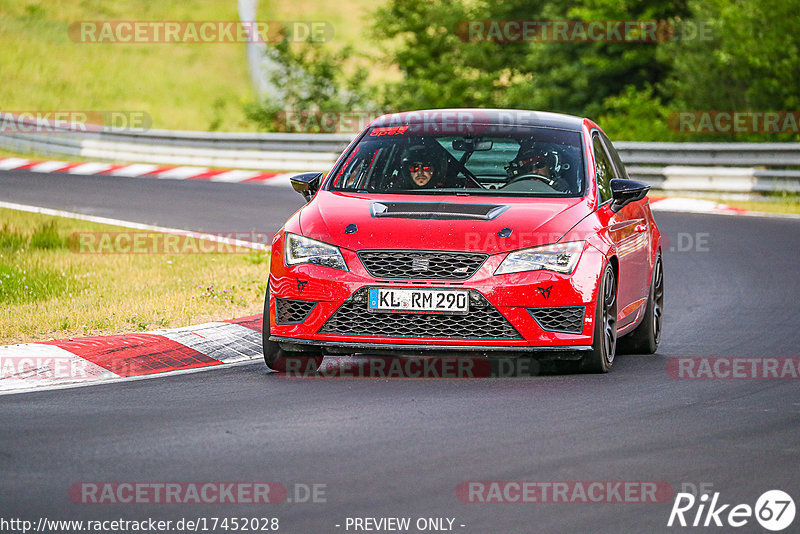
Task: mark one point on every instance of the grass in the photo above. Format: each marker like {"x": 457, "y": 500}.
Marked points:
{"x": 350, "y": 18}
{"x": 50, "y": 291}
{"x": 181, "y": 86}
{"x": 36, "y": 156}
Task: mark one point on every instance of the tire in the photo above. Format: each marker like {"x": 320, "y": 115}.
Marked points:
{"x": 280, "y": 360}
{"x": 605, "y": 326}
{"x": 644, "y": 339}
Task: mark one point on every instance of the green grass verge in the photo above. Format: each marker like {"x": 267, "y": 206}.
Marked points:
{"x": 181, "y": 86}
{"x": 50, "y": 288}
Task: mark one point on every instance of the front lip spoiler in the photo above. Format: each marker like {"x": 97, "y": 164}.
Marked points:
{"x": 569, "y": 352}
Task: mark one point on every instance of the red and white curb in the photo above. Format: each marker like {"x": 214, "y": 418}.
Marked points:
{"x": 693, "y": 205}
{"x": 92, "y": 360}
{"x": 146, "y": 170}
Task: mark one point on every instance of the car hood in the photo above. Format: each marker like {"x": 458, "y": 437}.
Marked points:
{"x": 430, "y": 222}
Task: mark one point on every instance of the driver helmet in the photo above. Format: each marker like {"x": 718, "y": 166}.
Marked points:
{"x": 535, "y": 159}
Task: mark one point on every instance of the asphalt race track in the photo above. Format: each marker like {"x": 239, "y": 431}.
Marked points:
{"x": 400, "y": 448}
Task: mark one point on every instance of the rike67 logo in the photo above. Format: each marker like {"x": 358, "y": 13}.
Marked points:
{"x": 774, "y": 510}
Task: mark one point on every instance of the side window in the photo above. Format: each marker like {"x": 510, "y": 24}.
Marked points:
{"x": 621, "y": 171}
{"x": 603, "y": 169}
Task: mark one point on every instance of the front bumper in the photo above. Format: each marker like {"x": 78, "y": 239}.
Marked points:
{"x": 513, "y": 299}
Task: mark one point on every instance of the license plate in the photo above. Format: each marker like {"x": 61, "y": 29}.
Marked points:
{"x": 384, "y": 299}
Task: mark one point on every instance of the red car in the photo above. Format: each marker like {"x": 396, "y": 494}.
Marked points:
{"x": 470, "y": 232}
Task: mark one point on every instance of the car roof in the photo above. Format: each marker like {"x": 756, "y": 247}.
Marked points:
{"x": 505, "y": 117}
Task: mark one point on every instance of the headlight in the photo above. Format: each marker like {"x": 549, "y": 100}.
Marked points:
{"x": 299, "y": 249}
{"x": 559, "y": 257}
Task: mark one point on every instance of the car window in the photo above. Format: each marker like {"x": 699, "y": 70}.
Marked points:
{"x": 622, "y": 172}
{"x": 521, "y": 161}
{"x": 603, "y": 169}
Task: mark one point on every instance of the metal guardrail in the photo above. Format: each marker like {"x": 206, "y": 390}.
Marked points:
{"x": 729, "y": 154}
{"x": 684, "y": 166}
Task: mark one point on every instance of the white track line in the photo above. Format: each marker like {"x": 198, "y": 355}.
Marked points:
{"x": 73, "y": 385}
{"x": 709, "y": 207}
{"x": 134, "y": 225}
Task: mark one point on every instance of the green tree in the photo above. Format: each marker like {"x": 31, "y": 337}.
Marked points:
{"x": 309, "y": 79}
{"x": 440, "y": 69}
{"x": 751, "y": 62}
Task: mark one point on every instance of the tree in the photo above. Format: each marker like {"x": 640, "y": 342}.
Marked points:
{"x": 751, "y": 62}
{"x": 310, "y": 81}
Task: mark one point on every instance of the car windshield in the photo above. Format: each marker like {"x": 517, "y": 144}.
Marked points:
{"x": 523, "y": 162}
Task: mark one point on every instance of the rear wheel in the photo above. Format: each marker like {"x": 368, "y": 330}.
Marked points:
{"x": 278, "y": 359}
{"x": 644, "y": 339}
{"x": 605, "y": 327}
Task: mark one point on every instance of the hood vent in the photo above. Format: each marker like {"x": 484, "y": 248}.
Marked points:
{"x": 436, "y": 210}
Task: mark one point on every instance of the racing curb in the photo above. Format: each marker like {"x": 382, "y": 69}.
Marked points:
{"x": 87, "y": 360}
{"x": 693, "y": 205}
{"x": 145, "y": 170}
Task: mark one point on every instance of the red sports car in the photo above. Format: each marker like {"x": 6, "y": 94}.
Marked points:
{"x": 471, "y": 232}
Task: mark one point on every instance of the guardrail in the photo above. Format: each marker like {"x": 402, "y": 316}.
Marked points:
{"x": 262, "y": 151}
{"x": 678, "y": 166}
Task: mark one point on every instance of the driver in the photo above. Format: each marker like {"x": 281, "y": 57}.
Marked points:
{"x": 420, "y": 170}
{"x": 535, "y": 160}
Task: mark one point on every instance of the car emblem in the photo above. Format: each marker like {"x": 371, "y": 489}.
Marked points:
{"x": 545, "y": 291}
{"x": 301, "y": 284}
{"x": 420, "y": 264}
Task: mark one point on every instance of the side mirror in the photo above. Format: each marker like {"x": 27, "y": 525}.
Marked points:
{"x": 626, "y": 191}
{"x": 306, "y": 184}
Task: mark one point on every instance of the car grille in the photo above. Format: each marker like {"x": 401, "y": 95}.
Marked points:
{"x": 290, "y": 311}
{"x": 420, "y": 264}
{"x": 567, "y": 319}
{"x": 482, "y": 322}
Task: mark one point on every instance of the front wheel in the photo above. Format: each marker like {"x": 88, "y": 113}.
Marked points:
{"x": 605, "y": 327}
{"x": 280, "y": 360}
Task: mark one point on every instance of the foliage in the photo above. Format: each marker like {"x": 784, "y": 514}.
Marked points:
{"x": 751, "y": 61}
{"x": 636, "y": 115}
{"x": 308, "y": 78}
